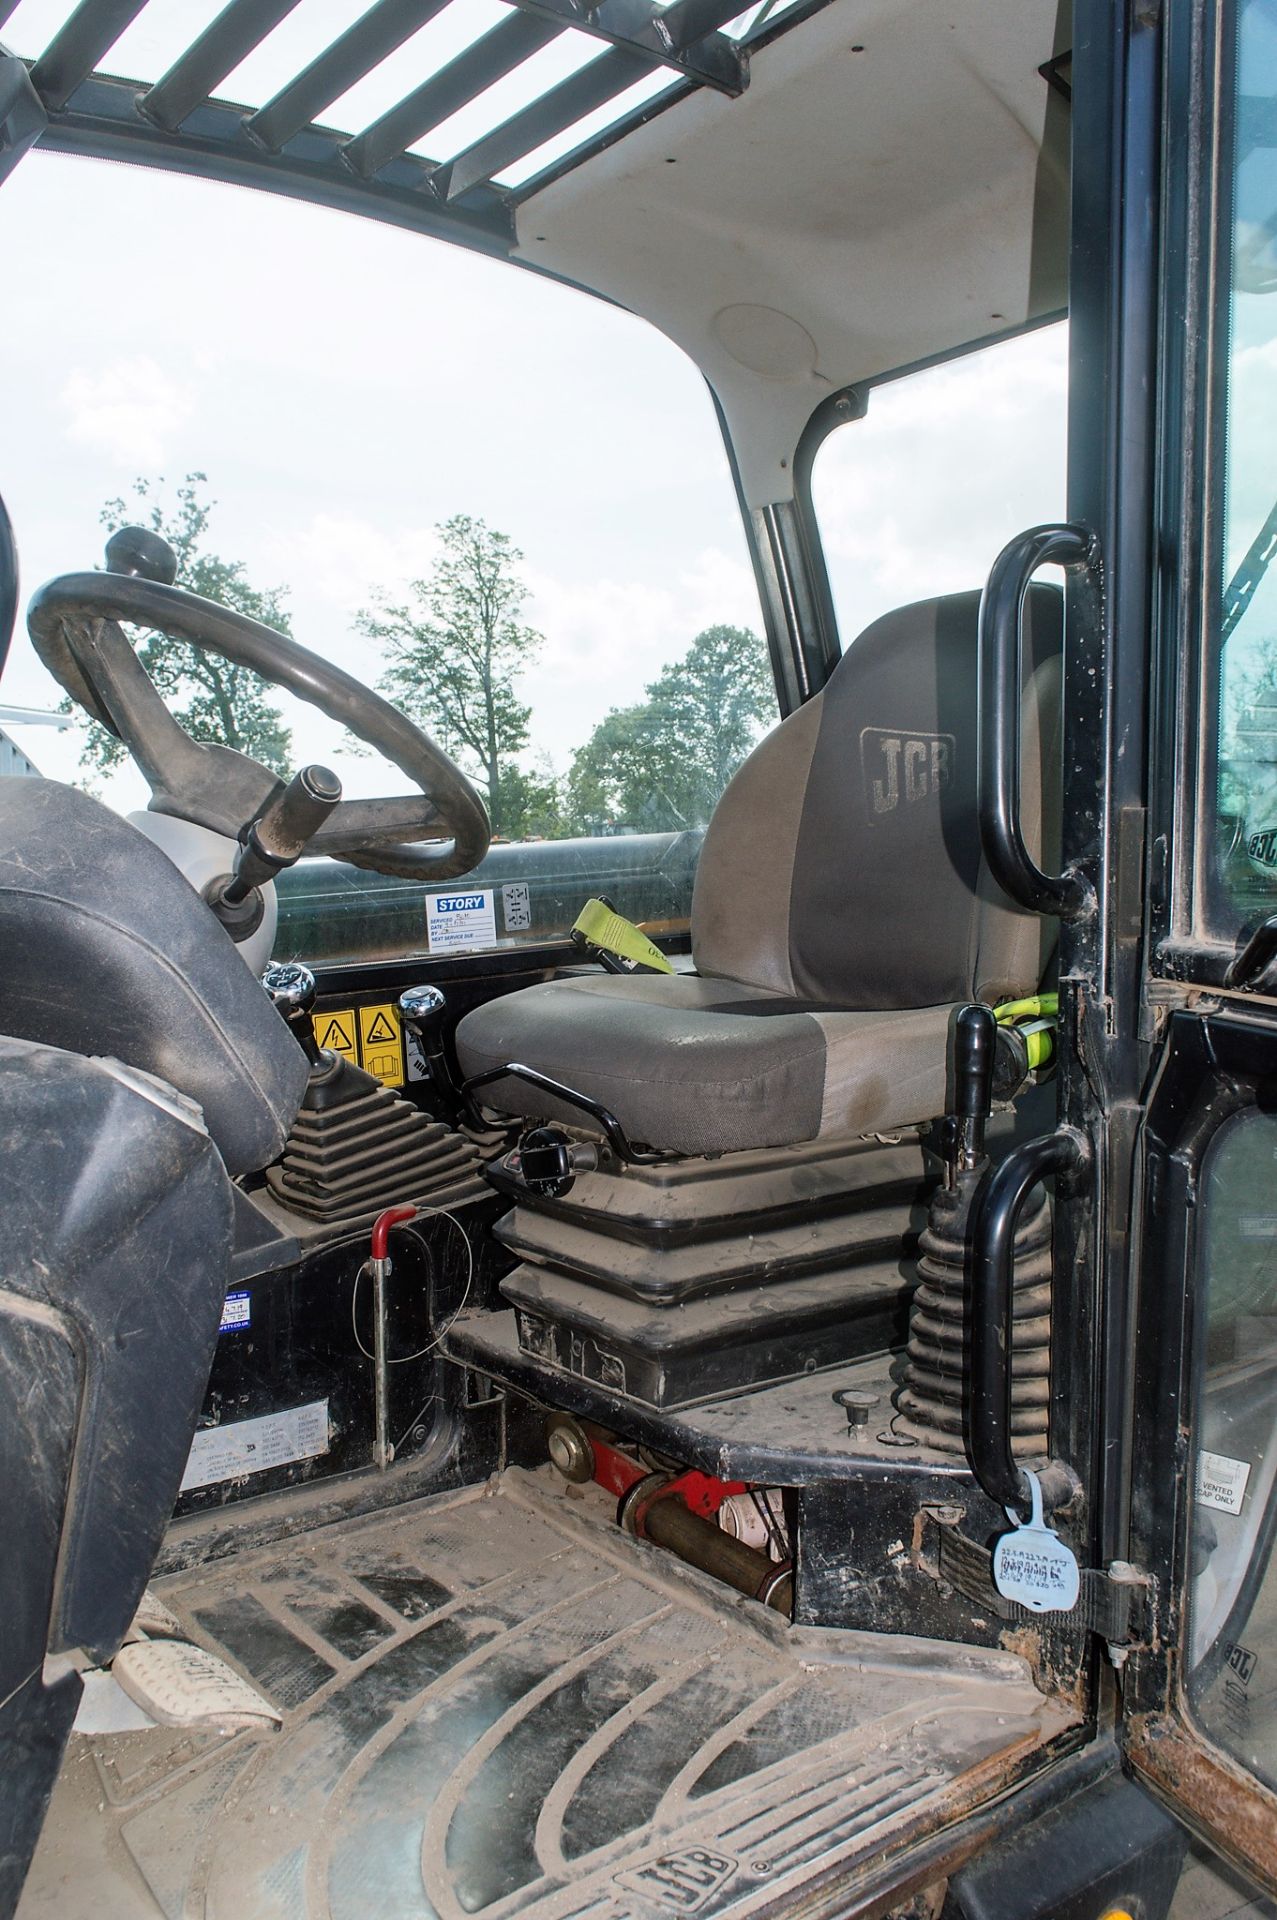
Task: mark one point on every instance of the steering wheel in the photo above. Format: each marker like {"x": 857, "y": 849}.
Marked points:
{"x": 73, "y": 622}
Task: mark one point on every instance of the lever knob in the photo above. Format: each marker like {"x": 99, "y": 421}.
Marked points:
{"x": 423, "y": 1010}
{"x": 142, "y": 551}
{"x": 292, "y": 990}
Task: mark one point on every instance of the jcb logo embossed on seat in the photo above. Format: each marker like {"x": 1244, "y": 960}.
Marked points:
{"x": 903, "y": 768}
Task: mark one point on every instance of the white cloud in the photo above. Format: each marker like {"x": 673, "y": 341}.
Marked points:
{"x": 126, "y": 409}
{"x": 348, "y": 561}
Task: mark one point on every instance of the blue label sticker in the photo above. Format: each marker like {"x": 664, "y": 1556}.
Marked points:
{"x": 236, "y": 1313}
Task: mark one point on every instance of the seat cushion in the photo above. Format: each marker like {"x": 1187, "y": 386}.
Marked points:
{"x": 709, "y": 1066}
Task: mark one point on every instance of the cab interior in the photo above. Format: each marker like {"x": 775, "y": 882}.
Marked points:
{"x": 538, "y": 1479}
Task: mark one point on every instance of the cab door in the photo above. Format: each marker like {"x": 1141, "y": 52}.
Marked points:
{"x": 1199, "y": 1696}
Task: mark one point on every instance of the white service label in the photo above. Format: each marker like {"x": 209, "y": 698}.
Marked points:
{"x": 251, "y": 1446}
{"x": 461, "y": 922}
{"x": 1221, "y": 1482}
{"x": 236, "y": 1313}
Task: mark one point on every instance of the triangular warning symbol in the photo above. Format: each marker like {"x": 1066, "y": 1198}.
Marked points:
{"x": 337, "y": 1037}
{"x": 380, "y": 1029}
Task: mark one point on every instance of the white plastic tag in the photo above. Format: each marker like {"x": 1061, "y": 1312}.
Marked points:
{"x": 1032, "y": 1565}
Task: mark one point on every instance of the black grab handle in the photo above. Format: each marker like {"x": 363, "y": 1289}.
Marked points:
{"x": 1067, "y": 1153}
{"x": 1068, "y": 895}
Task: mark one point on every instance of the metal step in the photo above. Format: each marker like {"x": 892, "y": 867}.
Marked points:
{"x": 495, "y": 1704}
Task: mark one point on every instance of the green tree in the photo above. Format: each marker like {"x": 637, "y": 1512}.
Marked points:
{"x": 214, "y": 700}
{"x": 455, "y": 647}
{"x": 663, "y": 763}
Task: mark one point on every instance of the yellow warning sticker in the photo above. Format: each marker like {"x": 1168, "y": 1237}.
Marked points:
{"x": 336, "y": 1032}
{"x": 381, "y": 1044}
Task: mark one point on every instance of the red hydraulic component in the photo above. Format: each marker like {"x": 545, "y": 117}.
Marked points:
{"x": 675, "y": 1511}
{"x": 702, "y": 1493}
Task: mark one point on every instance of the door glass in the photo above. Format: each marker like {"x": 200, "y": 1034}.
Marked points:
{"x": 946, "y": 466}
{"x": 1232, "y": 1629}
{"x": 1244, "y": 617}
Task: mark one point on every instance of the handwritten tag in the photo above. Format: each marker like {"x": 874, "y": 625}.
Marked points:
{"x": 1032, "y": 1565}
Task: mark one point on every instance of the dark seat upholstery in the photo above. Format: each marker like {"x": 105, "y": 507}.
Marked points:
{"x": 105, "y": 949}
{"x": 842, "y": 908}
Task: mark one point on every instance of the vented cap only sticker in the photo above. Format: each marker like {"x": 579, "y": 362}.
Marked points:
{"x": 1221, "y": 1482}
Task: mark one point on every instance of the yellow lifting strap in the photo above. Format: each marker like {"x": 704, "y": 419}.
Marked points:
{"x": 600, "y": 926}
{"x": 1035, "y": 1020}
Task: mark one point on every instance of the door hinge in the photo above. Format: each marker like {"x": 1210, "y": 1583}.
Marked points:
{"x": 1114, "y": 1601}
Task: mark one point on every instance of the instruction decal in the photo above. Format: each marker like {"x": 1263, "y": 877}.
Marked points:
{"x": 252, "y": 1446}
{"x": 335, "y": 1032}
{"x": 1221, "y": 1482}
{"x": 461, "y": 922}
{"x": 381, "y": 1044}
{"x": 236, "y": 1314}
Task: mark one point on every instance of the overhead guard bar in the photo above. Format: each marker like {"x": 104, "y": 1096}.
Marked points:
{"x": 78, "y": 45}
{"x": 1068, "y": 895}
{"x": 373, "y": 38}
{"x": 227, "y": 40}
{"x": 447, "y": 91}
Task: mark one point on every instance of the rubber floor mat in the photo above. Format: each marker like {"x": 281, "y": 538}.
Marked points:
{"x": 494, "y": 1705}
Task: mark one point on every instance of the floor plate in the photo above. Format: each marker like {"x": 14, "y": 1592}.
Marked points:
{"x": 494, "y": 1705}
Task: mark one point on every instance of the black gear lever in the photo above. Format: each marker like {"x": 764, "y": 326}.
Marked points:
{"x": 975, "y": 1040}
{"x": 423, "y": 1011}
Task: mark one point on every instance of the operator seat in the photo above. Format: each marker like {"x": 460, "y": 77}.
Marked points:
{"x": 842, "y": 908}
{"x": 105, "y": 949}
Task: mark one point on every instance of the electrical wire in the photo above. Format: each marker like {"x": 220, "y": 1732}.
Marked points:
{"x": 441, "y": 1334}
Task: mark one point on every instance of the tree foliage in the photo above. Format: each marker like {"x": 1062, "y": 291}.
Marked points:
{"x": 663, "y": 763}
{"x": 455, "y": 647}
{"x": 213, "y": 699}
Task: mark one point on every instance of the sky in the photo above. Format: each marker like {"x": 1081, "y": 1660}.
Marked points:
{"x": 346, "y": 387}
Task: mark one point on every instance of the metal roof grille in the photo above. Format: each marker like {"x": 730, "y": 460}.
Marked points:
{"x": 487, "y": 99}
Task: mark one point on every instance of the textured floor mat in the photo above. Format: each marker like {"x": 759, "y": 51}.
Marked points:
{"x": 493, "y": 1706}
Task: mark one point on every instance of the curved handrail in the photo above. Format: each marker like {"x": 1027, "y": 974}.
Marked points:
{"x": 1068, "y": 895}
{"x": 1065, "y": 1152}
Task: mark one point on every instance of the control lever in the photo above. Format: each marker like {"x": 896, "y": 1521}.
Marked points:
{"x": 291, "y": 987}
{"x": 423, "y": 1011}
{"x": 975, "y": 1040}
{"x": 278, "y": 837}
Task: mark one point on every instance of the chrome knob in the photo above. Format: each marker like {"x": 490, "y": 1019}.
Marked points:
{"x": 291, "y": 986}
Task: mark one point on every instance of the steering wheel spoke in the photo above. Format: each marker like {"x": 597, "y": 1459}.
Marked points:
{"x": 437, "y": 835}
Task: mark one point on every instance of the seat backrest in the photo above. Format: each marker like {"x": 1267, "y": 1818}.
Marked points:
{"x": 843, "y": 864}
{"x": 105, "y": 949}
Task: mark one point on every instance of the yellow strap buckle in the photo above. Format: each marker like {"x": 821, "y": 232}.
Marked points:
{"x": 600, "y": 929}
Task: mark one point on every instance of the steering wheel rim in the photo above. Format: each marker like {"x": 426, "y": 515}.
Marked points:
{"x": 74, "y": 626}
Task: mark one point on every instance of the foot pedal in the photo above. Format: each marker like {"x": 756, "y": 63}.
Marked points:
{"x": 153, "y": 1621}
{"x": 179, "y": 1685}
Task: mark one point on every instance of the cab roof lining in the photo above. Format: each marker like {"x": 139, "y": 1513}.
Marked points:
{"x": 819, "y": 196}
